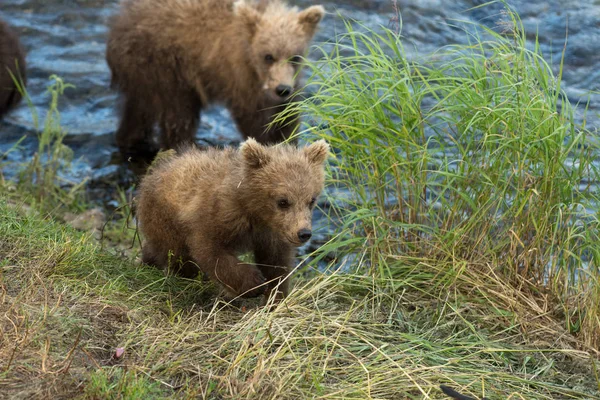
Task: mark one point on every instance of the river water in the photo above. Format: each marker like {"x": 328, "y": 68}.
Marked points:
{"x": 67, "y": 38}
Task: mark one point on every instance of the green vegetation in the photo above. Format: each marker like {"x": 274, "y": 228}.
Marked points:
{"x": 41, "y": 177}
{"x": 469, "y": 257}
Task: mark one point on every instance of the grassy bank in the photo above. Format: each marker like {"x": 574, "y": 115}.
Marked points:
{"x": 469, "y": 257}
{"x": 66, "y": 307}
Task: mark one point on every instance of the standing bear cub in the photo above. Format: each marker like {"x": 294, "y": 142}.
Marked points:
{"x": 199, "y": 210}
{"x": 171, "y": 58}
{"x": 12, "y": 67}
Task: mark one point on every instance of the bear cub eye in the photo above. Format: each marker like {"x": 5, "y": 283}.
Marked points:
{"x": 296, "y": 60}
{"x": 269, "y": 59}
{"x": 283, "y": 204}
{"x": 312, "y": 202}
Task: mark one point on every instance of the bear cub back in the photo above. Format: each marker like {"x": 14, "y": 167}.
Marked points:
{"x": 199, "y": 210}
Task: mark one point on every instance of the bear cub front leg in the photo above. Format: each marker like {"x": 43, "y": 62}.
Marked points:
{"x": 237, "y": 278}
{"x": 275, "y": 261}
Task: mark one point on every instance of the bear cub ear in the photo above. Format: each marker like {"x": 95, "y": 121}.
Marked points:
{"x": 255, "y": 154}
{"x": 317, "y": 152}
{"x": 249, "y": 15}
{"x": 310, "y": 17}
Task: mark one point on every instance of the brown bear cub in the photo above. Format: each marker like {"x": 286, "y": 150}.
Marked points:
{"x": 199, "y": 210}
{"x": 171, "y": 58}
{"x": 12, "y": 64}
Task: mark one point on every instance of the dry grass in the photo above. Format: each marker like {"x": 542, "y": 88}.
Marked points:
{"x": 66, "y": 307}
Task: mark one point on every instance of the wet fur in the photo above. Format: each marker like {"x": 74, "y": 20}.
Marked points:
{"x": 12, "y": 61}
{"x": 171, "y": 58}
{"x": 199, "y": 210}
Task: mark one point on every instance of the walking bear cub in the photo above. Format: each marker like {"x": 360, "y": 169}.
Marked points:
{"x": 199, "y": 210}
{"x": 171, "y": 58}
{"x": 12, "y": 64}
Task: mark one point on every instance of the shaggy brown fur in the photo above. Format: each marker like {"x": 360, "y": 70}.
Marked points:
{"x": 12, "y": 61}
{"x": 201, "y": 209}
{"x": 170, "y": 58}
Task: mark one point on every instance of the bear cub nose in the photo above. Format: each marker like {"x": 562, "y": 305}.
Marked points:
{"x": 283, "y": 90}
{"x": 304, "y": 234}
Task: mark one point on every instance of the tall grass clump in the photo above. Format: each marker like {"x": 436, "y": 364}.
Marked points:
{"x": 465, "y": 169}
{"x": 42, "y": 175}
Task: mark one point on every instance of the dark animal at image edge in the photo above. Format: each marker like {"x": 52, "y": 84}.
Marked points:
{"x": 12, "y": 64}
{"x": 171, "y": 58}
{"x": 455, "y": 395}
{"x": 199, "y": 210}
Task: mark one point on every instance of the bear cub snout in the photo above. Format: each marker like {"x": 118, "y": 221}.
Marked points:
{"x": 200, "y": 210}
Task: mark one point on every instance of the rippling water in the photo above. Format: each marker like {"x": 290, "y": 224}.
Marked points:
{"x": 67, "y": 38}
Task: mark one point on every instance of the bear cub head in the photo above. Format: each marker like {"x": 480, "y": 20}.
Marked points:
{"x": 279, "y": 37}
{"x": 282, "y": 185}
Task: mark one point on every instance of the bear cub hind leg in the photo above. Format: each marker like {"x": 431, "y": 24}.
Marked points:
{"x": 179, "y": 261}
